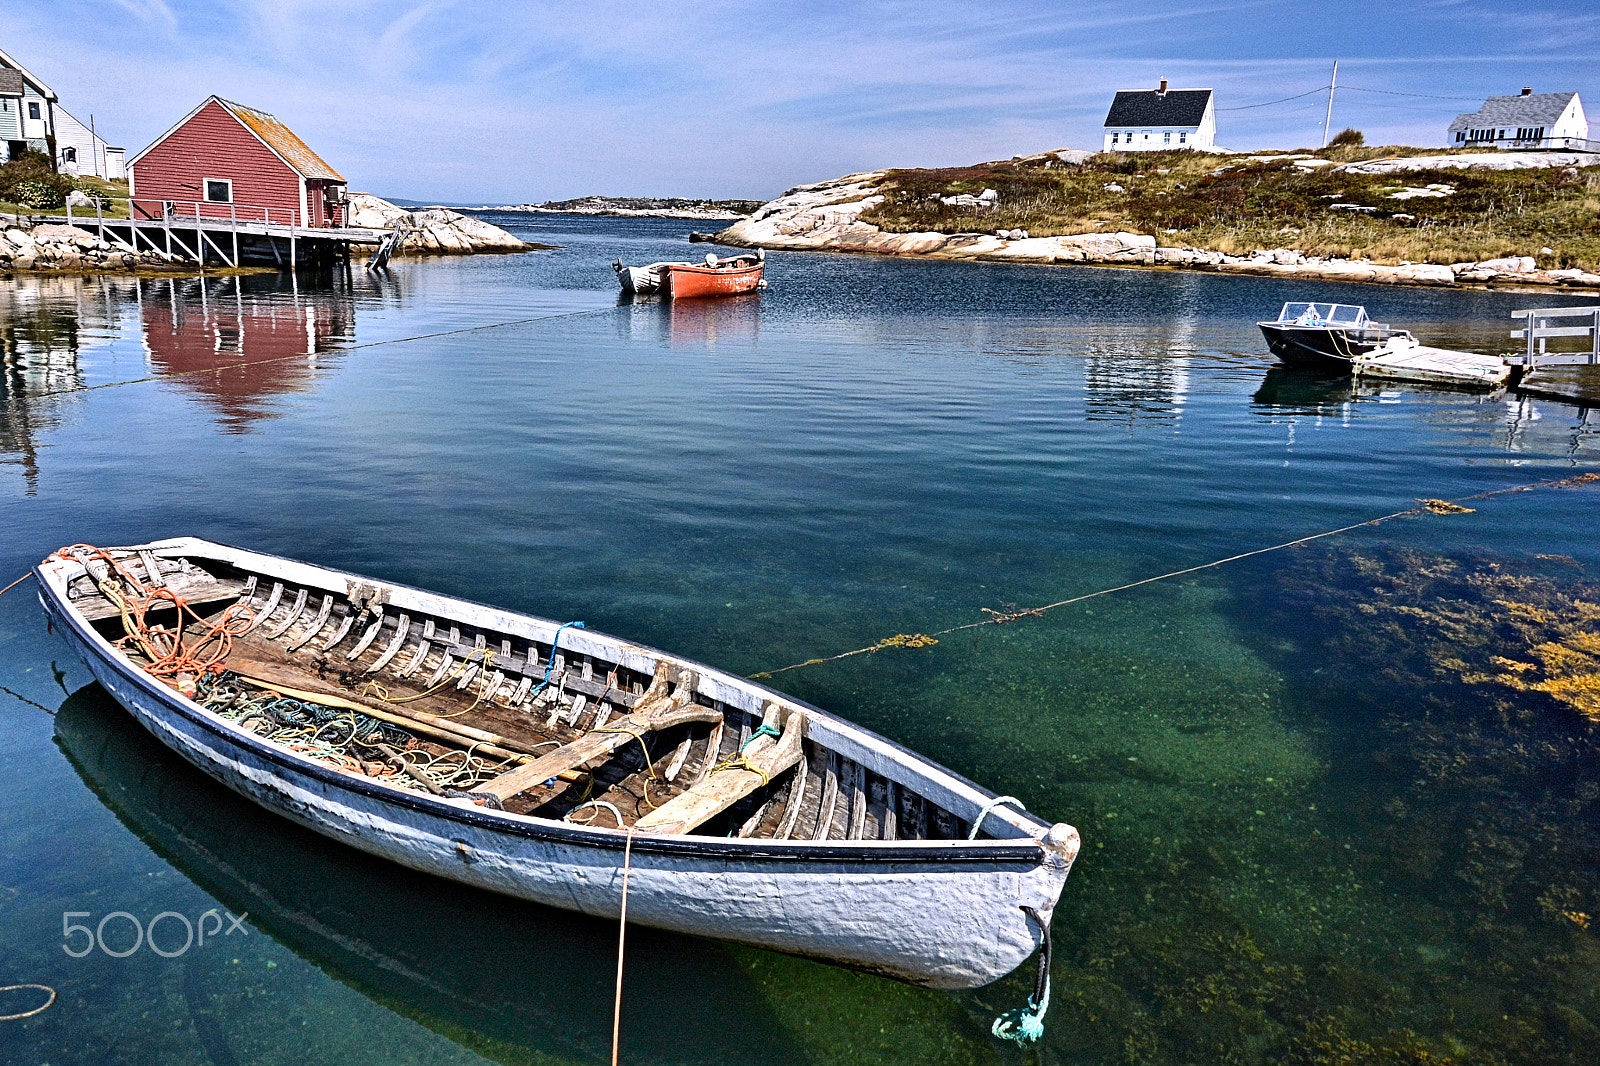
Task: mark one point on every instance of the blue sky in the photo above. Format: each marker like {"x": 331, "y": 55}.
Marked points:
{"x": 509, "y": 102}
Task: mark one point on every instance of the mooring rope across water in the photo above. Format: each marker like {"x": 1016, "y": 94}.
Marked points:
{"x": 1012, "y": 613}
{"x": 330, "y": 351}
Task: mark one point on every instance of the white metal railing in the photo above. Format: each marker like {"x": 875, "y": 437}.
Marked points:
{"x": 201, "y": 212}
{"x": 1539, "y": 331}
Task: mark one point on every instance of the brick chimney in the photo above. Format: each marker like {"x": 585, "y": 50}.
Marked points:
{"x": 1163, "y": 89}
{"x": 1527, "y": 90}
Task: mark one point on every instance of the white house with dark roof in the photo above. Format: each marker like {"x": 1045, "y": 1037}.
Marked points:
{"x": 1161, "y": 119}
{"x": 1531, "y": 120}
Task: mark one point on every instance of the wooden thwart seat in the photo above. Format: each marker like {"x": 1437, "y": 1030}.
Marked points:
{"x": 654, "y": 710}
{"x": 763, "y": 758}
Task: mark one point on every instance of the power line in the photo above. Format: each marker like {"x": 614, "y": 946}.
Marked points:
{"x": 1269, "y": 103}
{"x": 1424, "y": 96}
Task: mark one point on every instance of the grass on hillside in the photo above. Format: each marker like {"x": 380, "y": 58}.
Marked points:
{"x": 1236, "y": 205}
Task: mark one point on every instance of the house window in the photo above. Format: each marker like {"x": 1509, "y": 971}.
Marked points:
{"x": 69, "y": 155}
{"x": 219, "y": 192}
{"x": 33, "y": 110}
{"x": 1461, "y": 135}
{"x": 1166, "y": 138}
{"x": 1113, "y": 138}
{"x": 1183, "y": 137}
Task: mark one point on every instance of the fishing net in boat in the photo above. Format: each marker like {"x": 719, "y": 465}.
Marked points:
{"x": 345, "y": 738}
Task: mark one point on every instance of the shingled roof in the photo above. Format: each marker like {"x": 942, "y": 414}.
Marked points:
{"x": 282, "y": 139}
{"x": 1534, "y": 109}
{"x": 1151, "y": 107}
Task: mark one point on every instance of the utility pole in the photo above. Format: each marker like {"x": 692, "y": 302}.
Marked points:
{"x": 1327, "y": 123}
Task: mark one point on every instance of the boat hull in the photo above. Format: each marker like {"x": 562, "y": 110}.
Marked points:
{"x": 938, "y": 913}
{"x": 1313, "y": 346}
{"x": 693, "y": 282}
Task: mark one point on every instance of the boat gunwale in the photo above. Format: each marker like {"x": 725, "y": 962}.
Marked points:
{"x": 1024, "y": 849}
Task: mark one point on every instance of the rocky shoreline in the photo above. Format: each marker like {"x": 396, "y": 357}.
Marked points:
{"x": 825, "y": 216}
{"x": 433, "y": 230}
{"x": 27, "y": 246}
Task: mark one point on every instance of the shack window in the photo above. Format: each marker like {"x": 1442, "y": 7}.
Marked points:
{"x": 33, "y": 110}
{"x": 69, "y": 155}
{"x": 219, "y": 192}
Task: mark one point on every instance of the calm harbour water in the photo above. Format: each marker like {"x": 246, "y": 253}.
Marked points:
{"x": 1309, "y": 835}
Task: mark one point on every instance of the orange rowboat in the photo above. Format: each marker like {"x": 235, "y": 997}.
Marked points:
{"x": 730, "y": 277}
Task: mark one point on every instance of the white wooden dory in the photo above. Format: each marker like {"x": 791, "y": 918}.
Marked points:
{"x": 856, "y": 852}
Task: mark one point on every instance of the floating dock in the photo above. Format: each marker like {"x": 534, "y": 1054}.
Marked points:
{"x": 1403, "y": 359}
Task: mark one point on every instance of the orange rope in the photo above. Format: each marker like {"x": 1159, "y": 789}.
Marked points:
{"x": 169, "y": 653}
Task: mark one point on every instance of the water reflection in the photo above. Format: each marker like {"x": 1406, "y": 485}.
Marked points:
{"x": 1515, "y": 422}
{"x": 193, "y": 324}
{"x": 494, "y": 974}
{"x": 43, "y": 322}
{"x": 691, "y": 322}
{"x": 1135, "y": 389}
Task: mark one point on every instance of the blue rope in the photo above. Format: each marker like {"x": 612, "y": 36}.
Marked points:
{"x": 551, "y": 664}
{"x": 977, "y": 823}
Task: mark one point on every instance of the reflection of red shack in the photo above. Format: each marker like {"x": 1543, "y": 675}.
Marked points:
{"x": 235, "y": 330}
{"x": 225, "y": 160}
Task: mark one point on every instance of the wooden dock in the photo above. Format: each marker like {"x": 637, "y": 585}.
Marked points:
{"x": 204, "y": 234}
{"x": 1403, "y": 359}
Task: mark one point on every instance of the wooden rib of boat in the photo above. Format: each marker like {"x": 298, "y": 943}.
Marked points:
{"x": 755, "y": 818}
{"x": 715, "y": 277}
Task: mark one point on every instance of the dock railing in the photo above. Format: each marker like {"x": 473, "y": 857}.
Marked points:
{"x": 1540, "y": 330}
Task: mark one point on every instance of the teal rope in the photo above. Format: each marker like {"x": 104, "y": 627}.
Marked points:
{"x": 1024, "y": 1025}
{"x": 552, "y": 663}
{"x": 977, "y": 823}
{"x": 765, "y": 730}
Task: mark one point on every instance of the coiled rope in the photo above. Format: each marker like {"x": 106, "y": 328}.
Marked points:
{"x": 28, "y": 1013}
{"x": 1011, "y": 613}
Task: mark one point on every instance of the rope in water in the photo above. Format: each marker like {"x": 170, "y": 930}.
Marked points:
{"x": 36, "y": 1010}
{"x": 1012, "y": 614}
{"x": 1026, "y": 1024}
{"x": 622, "y": 936}
{"x": 331, "y": 351}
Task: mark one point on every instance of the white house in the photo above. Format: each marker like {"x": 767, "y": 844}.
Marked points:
{"x": 27, "y": 121}
{"x": 80, "y": 151}
{"x": 1156, "y": 120}
{"x": 1531, "y": 120}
